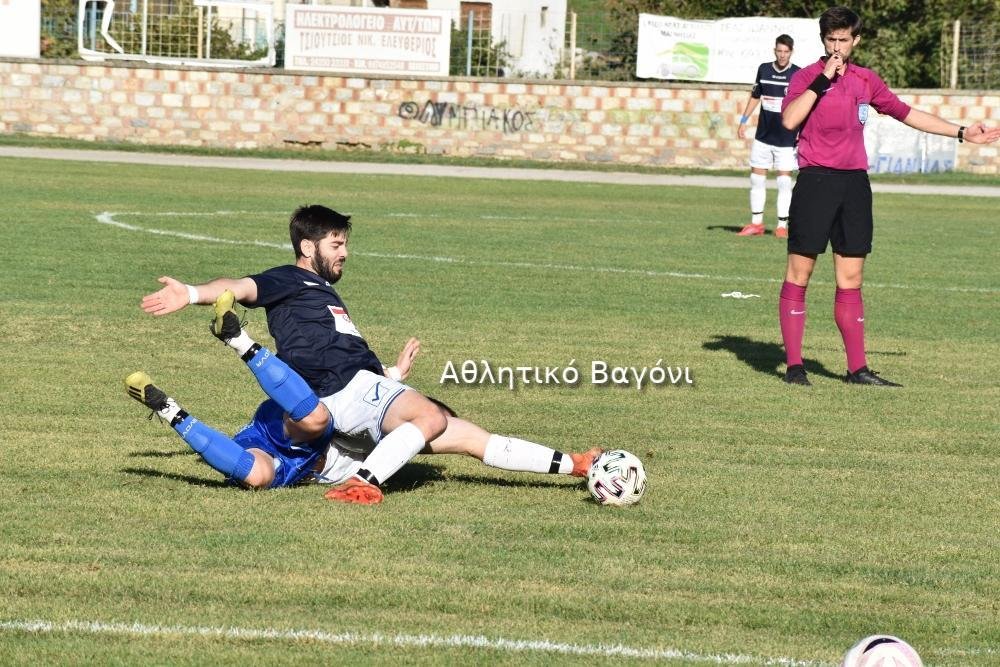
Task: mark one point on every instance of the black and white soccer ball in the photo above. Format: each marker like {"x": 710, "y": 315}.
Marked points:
{"x": 616, "y": 478}
{"x": 882, "y": 651}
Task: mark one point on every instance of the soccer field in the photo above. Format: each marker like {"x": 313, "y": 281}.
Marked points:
{"x": 781, "y": 524}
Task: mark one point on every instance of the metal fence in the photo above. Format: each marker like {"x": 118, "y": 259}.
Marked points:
{"x": 969, "y": 53}
{"x": 186, "y": 32}
{"x": 970, "y": 56}
{"x": 490, "y": 46}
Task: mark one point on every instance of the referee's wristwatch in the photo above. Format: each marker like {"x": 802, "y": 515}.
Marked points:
{"x": 961, "y": 134}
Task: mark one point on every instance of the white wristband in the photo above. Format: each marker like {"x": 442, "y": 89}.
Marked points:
{"x": 192, "y": 293}
{"x": 392, "y": 372}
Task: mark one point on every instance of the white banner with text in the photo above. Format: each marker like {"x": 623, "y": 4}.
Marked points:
{"x": 719, "y": 51}
{"x": 367, "y": 41}
{"x": 20, "y": 28}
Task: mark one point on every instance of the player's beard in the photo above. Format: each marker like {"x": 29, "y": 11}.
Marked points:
{"x": 324, "y": 267}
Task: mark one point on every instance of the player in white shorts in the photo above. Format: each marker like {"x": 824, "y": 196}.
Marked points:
{"x": 263, "y": 455}
{"x": 773, "y": 146}
{"x": 320, "y": 351}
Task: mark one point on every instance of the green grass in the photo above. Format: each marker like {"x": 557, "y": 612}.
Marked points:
{"x": 779, "y": 522}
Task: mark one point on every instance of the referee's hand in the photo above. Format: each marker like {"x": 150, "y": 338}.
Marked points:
{"x": 834, "y": 65}
{"x": 977, "y": 133}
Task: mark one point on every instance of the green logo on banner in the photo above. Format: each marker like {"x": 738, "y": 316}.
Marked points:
{"x": 686, "y": 60}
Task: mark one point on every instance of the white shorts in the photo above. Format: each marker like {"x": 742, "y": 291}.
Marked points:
{"x": 765, "y": 156}
{"x": 341, "y": 462}
{"x": 358, "y": 410}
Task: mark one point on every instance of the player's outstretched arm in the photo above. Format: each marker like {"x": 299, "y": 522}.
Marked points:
{"x": 174, "y": 294}
{"x": 404, "y": 362}
{"x": 977, "y": 133}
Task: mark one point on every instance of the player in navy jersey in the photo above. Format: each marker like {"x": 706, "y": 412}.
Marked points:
{"x": 773, "y": 145}
{"x": 263, "y": 455}
{"x": 325, "y": 376}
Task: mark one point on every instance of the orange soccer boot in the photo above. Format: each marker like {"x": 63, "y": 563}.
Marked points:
{"x": 355, "y": 491}
{"x": 582, "y": 462}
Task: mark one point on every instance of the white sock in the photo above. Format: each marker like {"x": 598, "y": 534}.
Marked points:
{"x": 241, "y": 343}
{"x": 393, "y": 452}
{"x": 169, "y": 410}
{"x": 758, "y": 197}
{"x": 523, "y": 456}
{"x": 784, "y": 197}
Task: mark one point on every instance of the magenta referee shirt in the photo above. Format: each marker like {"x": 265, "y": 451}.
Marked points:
{"x": 832, "y": 135}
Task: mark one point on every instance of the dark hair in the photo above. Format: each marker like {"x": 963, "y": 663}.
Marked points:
{"x": 786, "y": 40}
{"x": 838, "y": 18}
{"x": 314, "y": 223}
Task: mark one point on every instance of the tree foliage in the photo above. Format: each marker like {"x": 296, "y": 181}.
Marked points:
{"x": 901, "y": 39}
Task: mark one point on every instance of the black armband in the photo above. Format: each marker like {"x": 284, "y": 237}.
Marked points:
{"x": 819, "y": 84}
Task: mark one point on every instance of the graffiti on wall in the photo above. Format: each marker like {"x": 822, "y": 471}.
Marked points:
{"x": 468, "y": 116}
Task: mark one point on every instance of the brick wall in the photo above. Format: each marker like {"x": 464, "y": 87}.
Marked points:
{"x": 682, "y": 125}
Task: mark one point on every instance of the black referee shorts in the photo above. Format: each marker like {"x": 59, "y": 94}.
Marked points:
{"x": 830, "y": 205}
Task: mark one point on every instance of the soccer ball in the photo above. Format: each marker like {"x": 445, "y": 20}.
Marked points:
{"x": 882, "y": 651}
{"x": 616, "y": 478}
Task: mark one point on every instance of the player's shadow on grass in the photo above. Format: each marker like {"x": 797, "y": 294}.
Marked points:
{"x": 158, "y": 454}
{"x": 763, "y": 357}
{"x": 510, "y": 483}
{"x": 733, "y": 229}
{"x": 412, "y": 476}
{"x": 189, "y": 479}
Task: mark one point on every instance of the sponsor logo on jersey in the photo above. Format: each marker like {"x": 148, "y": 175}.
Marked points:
{"x": 342, "y": 321}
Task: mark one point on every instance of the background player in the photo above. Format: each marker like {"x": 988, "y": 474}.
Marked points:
{"x": 829, "y": 102}
{"x": 773, "y": 145}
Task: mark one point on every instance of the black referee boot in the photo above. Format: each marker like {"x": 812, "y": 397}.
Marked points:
{"x": 865, "y": 376}
{"x": 796, "y": 374}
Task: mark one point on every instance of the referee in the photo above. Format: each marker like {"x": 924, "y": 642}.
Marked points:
{"x": 829, "y": 102}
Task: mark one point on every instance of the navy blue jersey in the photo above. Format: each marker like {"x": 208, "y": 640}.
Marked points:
{"x": 770, "y": 87}
{"x": 311, "y": 328}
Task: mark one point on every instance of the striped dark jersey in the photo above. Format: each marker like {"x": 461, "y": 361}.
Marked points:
{"x": 770, "y": 87}
{"x": 311, "y": 328}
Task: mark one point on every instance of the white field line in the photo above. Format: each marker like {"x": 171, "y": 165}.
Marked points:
{"x": 108, "y": 218}
{"x": 398, "y": 640}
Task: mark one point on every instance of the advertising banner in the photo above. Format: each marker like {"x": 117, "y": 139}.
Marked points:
{"x": 894, "y": 148}
{"x": 367, "y": 41}
{"x": 20, "y": 28}
{"x": 719, "y": 51}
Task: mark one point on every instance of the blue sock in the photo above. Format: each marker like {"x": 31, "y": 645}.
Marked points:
{"x": 218, "y": 450}
{"x": 281, "y": 383}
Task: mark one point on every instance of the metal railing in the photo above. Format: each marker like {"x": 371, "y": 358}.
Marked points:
{"x": 215, "y": 32}
{"x": 970, "y": 56}
{"x": 587, "y": 46}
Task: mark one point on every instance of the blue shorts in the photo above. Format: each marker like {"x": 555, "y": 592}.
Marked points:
{"x": 293, "y": 461}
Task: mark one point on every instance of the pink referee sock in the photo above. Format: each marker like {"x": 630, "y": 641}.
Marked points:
{"x": 792, "y": 317}
{"x": 849, "y": 312}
